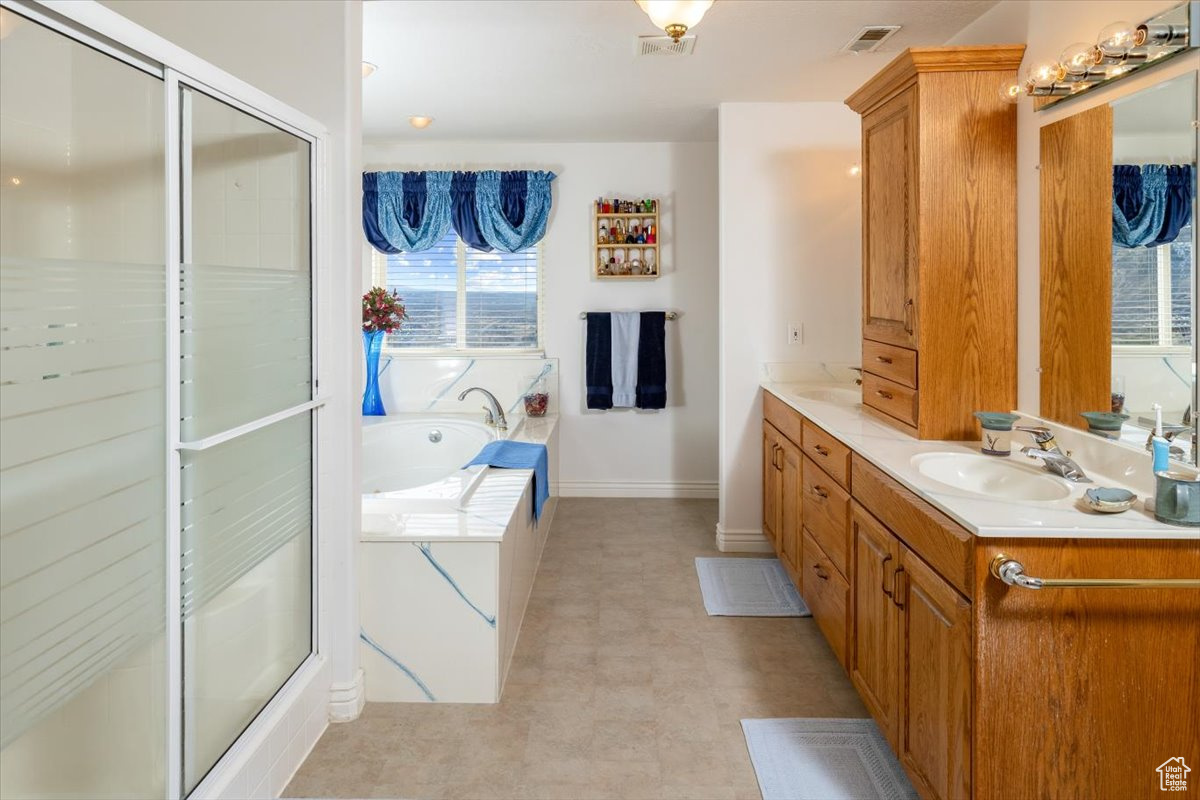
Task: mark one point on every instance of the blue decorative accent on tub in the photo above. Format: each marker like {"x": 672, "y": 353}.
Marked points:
{"x": 427, "y": 551}
{"x": 378, "y": 648}
{"x": 450, "y": 386}
{"x": 520, "y": 455}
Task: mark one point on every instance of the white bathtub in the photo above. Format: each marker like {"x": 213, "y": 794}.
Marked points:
{"x": 414, "y": 462}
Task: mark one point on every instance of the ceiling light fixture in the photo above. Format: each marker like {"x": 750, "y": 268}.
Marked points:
{"x": 420, "y": 122}
{"x": 675, "y": 16}
{"x": 369, "y": 69}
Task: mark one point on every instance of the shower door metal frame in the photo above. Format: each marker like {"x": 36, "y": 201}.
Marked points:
{"x": 104, "y": 30}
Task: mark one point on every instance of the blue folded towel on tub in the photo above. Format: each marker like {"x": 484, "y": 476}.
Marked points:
{"x": 520, "y": 455}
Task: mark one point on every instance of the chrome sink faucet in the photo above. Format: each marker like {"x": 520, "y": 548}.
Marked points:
{"x": 1054, "y": 460}
{"x": 494, "y": 413}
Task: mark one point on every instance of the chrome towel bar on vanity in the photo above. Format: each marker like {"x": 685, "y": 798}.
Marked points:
{"x": 1012, "y": 572}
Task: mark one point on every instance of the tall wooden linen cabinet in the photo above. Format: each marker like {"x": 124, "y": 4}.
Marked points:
{"x": 939, "y": 146}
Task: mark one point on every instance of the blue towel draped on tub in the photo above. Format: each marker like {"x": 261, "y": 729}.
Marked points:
{"x": 520, "y": 455}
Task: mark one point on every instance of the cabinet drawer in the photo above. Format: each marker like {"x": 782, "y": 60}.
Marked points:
{"x": 888, "y": 361}
{"x": 828, "y": 453}
{"x": 890, "y": 397}
{"x": 827, "y": 514}
{"x": 938, "y": 540}
{"x": 827, "y": 594}
{"x": 785, "y": 418}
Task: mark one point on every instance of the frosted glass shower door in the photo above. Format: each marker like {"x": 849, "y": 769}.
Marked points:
{"x": 246, "y": 391}
{"x": 83, "y": 424}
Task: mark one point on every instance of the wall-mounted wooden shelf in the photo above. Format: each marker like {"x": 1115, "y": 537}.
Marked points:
{"x": 623, "y": 261}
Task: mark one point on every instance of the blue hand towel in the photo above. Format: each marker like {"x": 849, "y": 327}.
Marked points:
{"x": 625, "y": 330}
{"x": 652, "y": 361}
{"x": 520, "y": 455}
{"x": 598, "y": 364}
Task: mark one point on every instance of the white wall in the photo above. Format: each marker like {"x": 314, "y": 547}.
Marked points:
{"x": 790, "y": 253}
{"x": 1048, "y": 26}
{"x": 618, "y": 453}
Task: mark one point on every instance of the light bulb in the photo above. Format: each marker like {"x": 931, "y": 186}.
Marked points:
{"x": 420, "y": 122}
{"x": 1078, "y": 58}
{"x": 368, "y": 69}
{"x": 675, "y": 16}
{"x": 1115, "y": 40}
{"x": 1011, "y": 90}
{"x": 1042, "y": 75}
{"x": 855, "y": 170}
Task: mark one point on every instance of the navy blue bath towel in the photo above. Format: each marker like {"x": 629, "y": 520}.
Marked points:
{"x": 598, "y": 362}
{"x": 652, "y": 361}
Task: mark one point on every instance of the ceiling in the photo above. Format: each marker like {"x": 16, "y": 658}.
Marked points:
{"x": 534, "y": 70}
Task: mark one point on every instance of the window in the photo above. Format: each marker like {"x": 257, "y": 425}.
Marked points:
{"x": 461, "y": 299}
{"x": 1152, "y": 294}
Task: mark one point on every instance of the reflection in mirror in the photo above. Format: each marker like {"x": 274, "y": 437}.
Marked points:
{"x": 1153, "y": 262}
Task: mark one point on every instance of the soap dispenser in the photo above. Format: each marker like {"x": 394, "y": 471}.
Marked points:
{"x": 997, "y": 432}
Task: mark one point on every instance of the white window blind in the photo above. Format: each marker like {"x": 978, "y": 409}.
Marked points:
{"x": 1152, "y": 294}
{"x": 458, "y": 298}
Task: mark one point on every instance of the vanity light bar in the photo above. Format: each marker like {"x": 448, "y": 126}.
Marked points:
{"x": 1120, "y": 47}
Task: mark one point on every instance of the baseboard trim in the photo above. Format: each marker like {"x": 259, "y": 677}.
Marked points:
{"x": 691, "y": 490}
{"x": 346, "y": 700}
{"x": 749, "y": 541}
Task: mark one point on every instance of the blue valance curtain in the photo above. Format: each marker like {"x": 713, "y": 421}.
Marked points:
{"x": 1151, "y": 203}
{"x": 489, "y": 210}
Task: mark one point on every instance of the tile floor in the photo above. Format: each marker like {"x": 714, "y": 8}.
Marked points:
{"x": 621, "y": 686}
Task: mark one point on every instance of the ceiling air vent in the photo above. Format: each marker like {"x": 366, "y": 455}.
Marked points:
{"x": 664, "y": 46}
{"x": 870, "y": 38}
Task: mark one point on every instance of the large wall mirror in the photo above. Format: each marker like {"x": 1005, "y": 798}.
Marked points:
{"x": 1118, "y": 285}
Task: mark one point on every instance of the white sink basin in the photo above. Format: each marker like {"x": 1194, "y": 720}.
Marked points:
{"x": 831, "y": 395}
{"x": 990, "y": 476}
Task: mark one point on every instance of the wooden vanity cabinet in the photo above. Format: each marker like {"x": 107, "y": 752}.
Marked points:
{"x": 939, "y": 259}
{"x": 782, "y": 497}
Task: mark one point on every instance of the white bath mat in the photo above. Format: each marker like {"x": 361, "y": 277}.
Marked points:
{"x": 824, "y": 759}
{"x": 748, "y": 587}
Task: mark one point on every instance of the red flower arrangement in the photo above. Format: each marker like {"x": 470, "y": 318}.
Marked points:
{"x": 382, "y": 311}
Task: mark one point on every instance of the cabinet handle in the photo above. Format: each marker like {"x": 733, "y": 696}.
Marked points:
{"x": 884, "y": 395}
{"x": 883, "y": 359}
{"x": 908, "y": 315}
{"x": 821, "y": 492}
{"x": 776, "y": 460}
{"x": 822, "y": 450}
{"x": 899, "y": 585}
{"x": 883, "y": 577}
{"x": 1012, "y": 572}
{"x": 822, "y": 574}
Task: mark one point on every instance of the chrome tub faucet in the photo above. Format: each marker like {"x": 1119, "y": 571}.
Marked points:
{"x": 494, "y": 414}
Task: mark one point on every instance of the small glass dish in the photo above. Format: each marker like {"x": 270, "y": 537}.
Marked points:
{"x": 1108, "y": 500}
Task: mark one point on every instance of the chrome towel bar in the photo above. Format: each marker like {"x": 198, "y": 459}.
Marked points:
{"x": 669, "y": 315}
{"x": 1010, "y": 571}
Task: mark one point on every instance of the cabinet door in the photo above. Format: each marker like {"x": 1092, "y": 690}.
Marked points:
{"x": 934, "y": 737}
{"x": 874, "y": 618}
{"x": 889, "y": 222}
{"x": 790, "y": 509}
{"x": 771, "y": 481}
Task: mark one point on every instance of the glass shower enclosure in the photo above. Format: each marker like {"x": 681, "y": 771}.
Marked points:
{"x": 157, "y": 416}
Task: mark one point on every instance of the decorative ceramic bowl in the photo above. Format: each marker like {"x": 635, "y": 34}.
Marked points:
{"x": 1109, "y": 500}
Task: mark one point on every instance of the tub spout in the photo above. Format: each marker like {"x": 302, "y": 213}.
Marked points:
{"x": 495, "y": 414}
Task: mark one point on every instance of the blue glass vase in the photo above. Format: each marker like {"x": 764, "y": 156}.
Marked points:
{"x": 372, "y": 402}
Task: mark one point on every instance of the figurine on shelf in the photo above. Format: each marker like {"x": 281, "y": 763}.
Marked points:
{"x": 631, "y": 235}
{"x": 641, "y": 237}
{"x": 635, "y": 266}
{"x": 602, "y": 237}
{"x": 617, "y": 232}
{"x": 652, "y": 235}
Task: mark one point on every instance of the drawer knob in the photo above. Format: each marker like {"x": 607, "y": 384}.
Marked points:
{"x": 883, "y": 359}
{"x": 884, "y": 395}
{"x": 821, "y": 492}
{"x": 822, "y": 450}
{"x": 822, "y": 574}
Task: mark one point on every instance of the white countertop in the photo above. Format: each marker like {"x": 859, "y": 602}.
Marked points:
{"x": 892, "y": 451}
{"x": 488, "y": 510}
